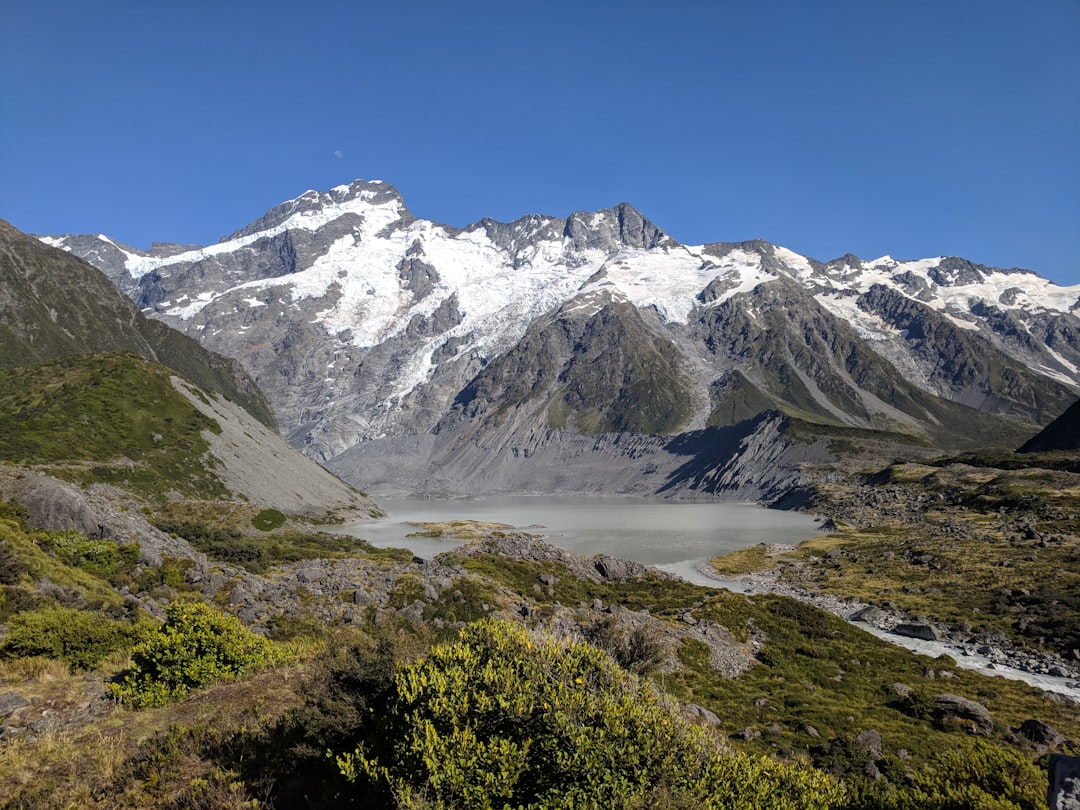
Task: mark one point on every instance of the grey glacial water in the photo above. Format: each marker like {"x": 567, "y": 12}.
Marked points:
{"x": 672, "y": 536}
{"x": 669, "y": 535}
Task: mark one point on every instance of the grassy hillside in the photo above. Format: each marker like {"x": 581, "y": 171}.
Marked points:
{"x": 106, "y": 418}
{"x": 988, "y": 545}
{"x": 53, "y": 304}
{"x": 411, "y": 707}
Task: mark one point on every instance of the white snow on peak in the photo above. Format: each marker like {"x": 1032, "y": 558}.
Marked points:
{"x": 376, "y": 218}
{"x": 1003, "y": 290}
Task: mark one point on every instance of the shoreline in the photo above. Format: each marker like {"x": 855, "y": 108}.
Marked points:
{"x": 995, "y": 657}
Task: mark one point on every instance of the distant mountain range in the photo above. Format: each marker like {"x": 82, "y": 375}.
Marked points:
{"x": 594, "y": 353}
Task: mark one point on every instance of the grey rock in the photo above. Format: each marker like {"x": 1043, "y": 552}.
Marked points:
{"x": 901, "y": 690}
{"x": 699, "y": 714}
{"x": 868, "y": 615}
{"x": 916, "y": 630}
{"x": 976, "y": 716}
{"x": 870, "y": 741}
{"x": 1039, "y": 732}
{"x": 1064, "y": 790}
{"x": 11, "y": 702}
{"x": 56, "y": 506}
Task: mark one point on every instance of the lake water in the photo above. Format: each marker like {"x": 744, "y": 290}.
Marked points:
{"x": 672, "y": 536}
{"x": 669, "y": 535}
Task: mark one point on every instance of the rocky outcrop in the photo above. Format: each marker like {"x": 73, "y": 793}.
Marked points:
{"x": 1064, "y": 790}
{"x": 969, "y": 714}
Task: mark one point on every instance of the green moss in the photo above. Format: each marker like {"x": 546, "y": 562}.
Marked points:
{"x": 268, "y": 519}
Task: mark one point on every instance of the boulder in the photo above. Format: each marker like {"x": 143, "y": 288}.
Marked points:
{"x": 1039, "y": 732}
{"x": 612, "y": 568}
{"x": 1064, "y": 790}
{"x": 916, "y": 630}
{"x": 56, "y": 506}
{"x": 868, "y": 615}
{"x": 699, "y": 714}
{"x": 973, "y": 714}
{"x": 870, "y": 741}
{"x": 11, "y": 702}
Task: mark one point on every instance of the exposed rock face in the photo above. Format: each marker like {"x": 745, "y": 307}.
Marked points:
{"x": 1064, "y": 790}
{"x": 499, "y": 356}
{"x": 974, "y": 716}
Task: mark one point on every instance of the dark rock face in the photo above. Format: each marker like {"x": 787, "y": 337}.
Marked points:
{"x": 1064, "y": 790}
{"x": 968, "y": 713}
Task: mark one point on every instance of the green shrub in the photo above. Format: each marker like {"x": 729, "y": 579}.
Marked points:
{"x": 196, "y": 645}
{"x": 268, "y": 519}
{"x": 350, "y": 683}
{"x": 979, "y": 775}
{"x": 104, "y": 558}
{"x": 503, "y": 718}
{"x": 13, "y": 510}
{"x": 79, "y": 637}
{"x": 12, "y": 567}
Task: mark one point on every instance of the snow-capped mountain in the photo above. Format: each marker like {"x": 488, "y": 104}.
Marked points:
{"x": 534, "y": 354}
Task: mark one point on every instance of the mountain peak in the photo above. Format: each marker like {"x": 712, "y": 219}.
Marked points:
{"x": 349, "y": 197}
{"x": 615, "y": 228}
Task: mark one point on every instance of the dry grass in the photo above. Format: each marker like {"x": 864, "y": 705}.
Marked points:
{"x": 459, "y": 529}
{"x": 92, "y": 766}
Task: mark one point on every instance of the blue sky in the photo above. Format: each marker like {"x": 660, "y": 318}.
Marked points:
{"x": 903, "y": 127}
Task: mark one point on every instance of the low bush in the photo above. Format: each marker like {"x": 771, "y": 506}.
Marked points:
{"x": 79, "y": 637}
{"x": 104, "y": 558}
{"x": 976, "y": 775}
{"x": 268, "y": 519}
{"x": 196, "y": 645}
{"x": 504, "y": 718}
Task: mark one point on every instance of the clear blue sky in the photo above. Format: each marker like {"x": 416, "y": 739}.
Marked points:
{"x": 909, "y": 127}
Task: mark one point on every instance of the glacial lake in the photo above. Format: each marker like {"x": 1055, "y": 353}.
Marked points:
{"x": 673, "y": 536}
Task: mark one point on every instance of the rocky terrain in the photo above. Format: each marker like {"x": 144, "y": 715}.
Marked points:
{"x": 979, "y": 553}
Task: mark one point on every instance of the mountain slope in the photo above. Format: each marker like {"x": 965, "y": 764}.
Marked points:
{"x": 1061, "y": 434}
{"x": 52, "y": 305}
{"x": 382, "y": 339}
{"x": 121, "y": 420}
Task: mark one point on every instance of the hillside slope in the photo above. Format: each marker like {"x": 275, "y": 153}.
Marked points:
{"x": 52, "y": 305}
{"x": 135, "y": 425}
